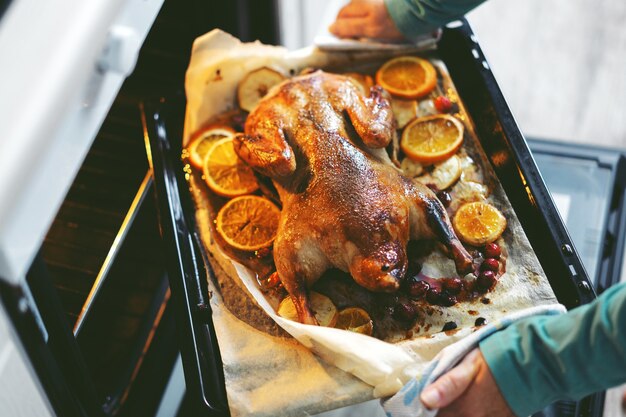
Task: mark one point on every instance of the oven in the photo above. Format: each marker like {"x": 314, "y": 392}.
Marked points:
{"x": 102, "y": 278}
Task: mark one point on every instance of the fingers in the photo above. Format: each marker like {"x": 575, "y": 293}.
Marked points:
{"x": 452, "y": 384}
{"x": 353, "y": 27}
{"x": 352, "y": 9}
{"x": 365, "y": 19}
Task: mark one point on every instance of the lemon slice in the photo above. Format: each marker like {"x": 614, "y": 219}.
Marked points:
{"x": 248, "y": 223}
{"x": 407, "y": 77}
{"x": 432, "y": 139}
{"x": 323, "y": 308}
{"x": 478, "y": 223}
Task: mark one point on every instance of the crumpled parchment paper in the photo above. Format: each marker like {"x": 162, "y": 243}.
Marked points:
{"x": 270, "y": 374}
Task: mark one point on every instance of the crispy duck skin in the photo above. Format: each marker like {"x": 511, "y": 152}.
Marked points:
{"x": 345, "y": 204}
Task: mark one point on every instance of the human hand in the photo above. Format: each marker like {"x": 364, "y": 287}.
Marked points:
{"x": 365, "y": 19}
{"x": 467, "y": 390}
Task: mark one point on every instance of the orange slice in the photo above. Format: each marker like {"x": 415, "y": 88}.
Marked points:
{"x": 355, "y": 320}
{"x": 248, "y": 223}
{"x": 323, "y": 308}
{"x": 363, "y": 81}
{"x": 255, "y": 85}
{"x": 407, "y": 77}
{"x": 203, "y": 141}
{"x": 478, "y": 223}
{"x": 432, "y": 139}
{"x": 225, "y": 173}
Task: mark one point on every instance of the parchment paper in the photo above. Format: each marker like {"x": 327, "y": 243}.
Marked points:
{"x": 267, "y": 372}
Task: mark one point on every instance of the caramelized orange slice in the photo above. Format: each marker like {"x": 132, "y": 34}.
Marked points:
{"x": 356, "y": 320}
{"x": 225, "y": 173}
{"x": 203, "y": 141}
{"x": 407, "y": 77}
{"x": 248, "y": 223}
{"x": 478, "y": 223}
{"x": 432, "y": 139}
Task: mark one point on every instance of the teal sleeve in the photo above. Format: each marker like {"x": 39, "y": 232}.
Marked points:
{"x": 542, "y": 359}
{"x": 417, "y": 17}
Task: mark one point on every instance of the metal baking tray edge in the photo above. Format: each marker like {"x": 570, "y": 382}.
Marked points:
{"x": 503, "y": 143}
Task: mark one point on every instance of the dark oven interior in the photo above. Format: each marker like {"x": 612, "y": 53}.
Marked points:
{"x": 99, "y": 280}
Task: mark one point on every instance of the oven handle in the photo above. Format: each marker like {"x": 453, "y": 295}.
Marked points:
{"x": 187, "y": 270}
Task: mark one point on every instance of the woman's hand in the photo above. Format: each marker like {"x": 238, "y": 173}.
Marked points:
{"x": 365, "y": 19}
{"x": 467, "y": 390}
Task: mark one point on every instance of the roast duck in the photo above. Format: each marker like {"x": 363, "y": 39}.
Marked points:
{"x": 345, "y": 204}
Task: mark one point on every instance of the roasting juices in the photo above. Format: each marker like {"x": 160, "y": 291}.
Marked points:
{"x": 326, "y": 145}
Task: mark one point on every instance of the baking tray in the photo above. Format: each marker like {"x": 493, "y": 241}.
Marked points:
{"x": 503, "y": 144}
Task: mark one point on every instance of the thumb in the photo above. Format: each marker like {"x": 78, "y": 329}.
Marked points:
{"x": 452, "y": 384}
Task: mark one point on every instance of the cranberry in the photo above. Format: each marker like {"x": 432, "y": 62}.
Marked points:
{"x": 418, "y": 289}
{"x": 445, "y": 198}
{"x": 433, "y": 296}
{"x": 443, "y": 104}
{"x": 405, "y": 311}
{"x": 486, "y": 280}
{"x": 490, "y": 264}
{"x": 453, "y": 285}
{"x": 450, "y": 325}
{"x": 492, "y": 250}
{"x": 447, "y": 300}
{"x": 480, "y": 321}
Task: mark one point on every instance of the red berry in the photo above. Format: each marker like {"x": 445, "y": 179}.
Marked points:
{"x": 453, "y": 285}
{"x": 443, "y": 104}
{"x": 492, "y": 250}
{"x": 490, "y": 264}
{"x": 405, "y": 311}
{"x": 485, "y": 280}
{"x": 418, "y": 289}
{"x": 447, "y": 300}
{"x": 450, "y": 325}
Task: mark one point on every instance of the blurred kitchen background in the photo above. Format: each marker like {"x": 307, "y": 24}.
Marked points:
{"x": 561, "y": 65}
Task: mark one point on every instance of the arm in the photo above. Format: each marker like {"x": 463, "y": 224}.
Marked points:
{"x": 397, "y": 19}
{"x": 535, "y": 362}
{"x": 547, "y": 358}
{"x": 417, "y": 17}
